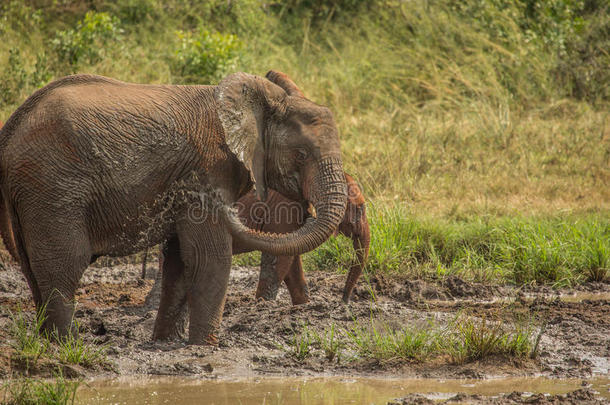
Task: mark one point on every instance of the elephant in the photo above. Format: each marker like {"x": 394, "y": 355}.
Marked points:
{"x": 93, "y": 166}
{"x": 281, "y": 215}
{"x": 277, "y": 214}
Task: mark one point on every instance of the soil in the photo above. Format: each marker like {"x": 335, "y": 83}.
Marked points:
{"x": 117, "y": 309}
{"x": 584, "y": 396}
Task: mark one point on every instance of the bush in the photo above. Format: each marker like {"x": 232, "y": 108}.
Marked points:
{"x": 204, "y": 57}
{"x": 14, "y": 77}
{"x": 89, "y": 40}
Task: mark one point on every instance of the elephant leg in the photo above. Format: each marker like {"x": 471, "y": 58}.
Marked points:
{"x": 171, "y": 317}
{"x": 57, "y": 266}
{"x": 206, "y": 252}
{"x": 295, "y": 281}
{"x": 273, "y": 271}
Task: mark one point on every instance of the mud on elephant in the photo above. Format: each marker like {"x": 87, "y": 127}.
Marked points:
{"x": 92, "y": 166}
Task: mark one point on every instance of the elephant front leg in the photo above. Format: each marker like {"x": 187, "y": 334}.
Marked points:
{"x": 273, "y": 270}
{"x": 295, "y": 281}
{"x": 171, "y": 317}
{"x": 206, "y": 253}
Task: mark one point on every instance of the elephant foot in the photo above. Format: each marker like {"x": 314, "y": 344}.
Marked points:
{"x": 210, "y": 340}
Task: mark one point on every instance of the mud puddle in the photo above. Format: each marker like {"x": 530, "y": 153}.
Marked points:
{"x": 328, "y": 390}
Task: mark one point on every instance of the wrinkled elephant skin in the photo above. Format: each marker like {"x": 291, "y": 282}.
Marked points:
{"x": 93, "y": 166}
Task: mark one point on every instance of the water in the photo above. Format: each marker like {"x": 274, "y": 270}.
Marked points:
{"x": 314, "y": 391}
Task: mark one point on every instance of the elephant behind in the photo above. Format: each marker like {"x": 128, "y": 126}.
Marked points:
{"x": 281, "y": 215}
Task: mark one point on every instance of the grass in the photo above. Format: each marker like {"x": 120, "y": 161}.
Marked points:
{"x": 382, "y": 342}
{"x": 300, "y": 345}
{"x": 478, "y": 339}
{"x": 73, "y": 350}
{"x": 561, "y": 250}
{"x": 28, "y": 342}
{"x": 31, "y": 344}
{"x": 463, "y": 340}
{"x": 27, "y": 391}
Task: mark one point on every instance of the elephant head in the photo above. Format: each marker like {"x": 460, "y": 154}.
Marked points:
{"x": 289, "y": 144}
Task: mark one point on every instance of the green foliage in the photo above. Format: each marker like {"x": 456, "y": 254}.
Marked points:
{"x": 463, "y": 340}
{"x": 317, "y": 10}
{"x": 28, "y": 341}
{"x": 14, "y": 77}
{"x": 331, "y": 343}
{"x": 477, "y": 339}
{"x": 30, "y": 344}
{"x": 301, "y": 344}
{"x": 380, "y": 341}
{"x": 73, "y": 350}
{"x": 18, "y": 16}
{"x": 28, "y": 391}
{"x": 558, "y": 250}
{"x": 205, "y": 57}
{"x": 89, "y": 40}
{"x": 136, "y": 11}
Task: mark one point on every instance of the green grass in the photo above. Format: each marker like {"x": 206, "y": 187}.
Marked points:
{"x": 463, "y": 340}
{"x": 560, "y": 250}
{"x": 477, "y": 339}
{"x": 300, "y": 344}
{"x": 31, "y": 344}
{"x": 27, "y": 391}
{"x": 380, "y": 341}
{"x": 28, "y": 341}
{"x": 73, "y": 350}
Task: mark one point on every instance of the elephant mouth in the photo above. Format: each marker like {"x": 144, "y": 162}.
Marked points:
{"x": 311, "y": 210}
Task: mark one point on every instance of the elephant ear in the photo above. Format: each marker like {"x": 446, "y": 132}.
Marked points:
{"x": 282, "y": 80}
{"x": 243, "y": 102}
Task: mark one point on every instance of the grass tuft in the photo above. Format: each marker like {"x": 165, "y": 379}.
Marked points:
{"x": 30, "y": 344}
{"x": 28, "y": 340}
{"x": 477, "y": 339}
{"x": 27, "y": 391}
{"x": 463, "y": 340}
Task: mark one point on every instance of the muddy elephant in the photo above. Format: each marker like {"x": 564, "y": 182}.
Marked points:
{"x": 278, "y": 214}
{"x": 281, "y": 215}
{"x": 93, "y": 166}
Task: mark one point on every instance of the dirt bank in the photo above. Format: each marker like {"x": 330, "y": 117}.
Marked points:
{"x": 117, "y": 309}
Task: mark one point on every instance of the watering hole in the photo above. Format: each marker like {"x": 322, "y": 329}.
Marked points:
{"x": 329, "y": 390}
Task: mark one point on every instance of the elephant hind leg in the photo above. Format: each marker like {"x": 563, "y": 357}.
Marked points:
{"x": 172, "y": 315}
{"x": 57, "y": 264}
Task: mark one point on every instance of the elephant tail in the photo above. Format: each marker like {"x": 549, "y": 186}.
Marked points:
{"x": 6, "y": 231}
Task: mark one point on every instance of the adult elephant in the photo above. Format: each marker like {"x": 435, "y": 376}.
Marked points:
{"x": 93, "y": 166}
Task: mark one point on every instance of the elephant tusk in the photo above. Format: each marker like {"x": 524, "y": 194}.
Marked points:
{"x": 312, "y": 210}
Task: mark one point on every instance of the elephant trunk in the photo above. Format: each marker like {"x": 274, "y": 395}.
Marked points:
{"x": 327, "y": 194}
{"x": 361, "y": 241}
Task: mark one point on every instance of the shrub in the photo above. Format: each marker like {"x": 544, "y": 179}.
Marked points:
{"x": 204, "y": 57}
{"x": 14, "y": 77}
{"x": 88, "y": 41}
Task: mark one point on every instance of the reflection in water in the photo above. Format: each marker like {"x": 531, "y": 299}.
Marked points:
{"x": 315, "y": 391}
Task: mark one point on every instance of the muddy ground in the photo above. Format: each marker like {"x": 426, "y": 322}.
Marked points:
{"x": 117, "y": 309}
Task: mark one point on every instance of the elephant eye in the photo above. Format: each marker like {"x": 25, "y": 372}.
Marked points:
{"x": 301, "y": 154}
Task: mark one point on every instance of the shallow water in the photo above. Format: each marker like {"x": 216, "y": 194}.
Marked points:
{"x": 581, "y": 296}
{"x": 315, "y": 391}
